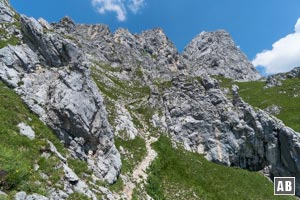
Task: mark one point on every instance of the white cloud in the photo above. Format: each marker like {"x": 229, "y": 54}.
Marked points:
{"x": 284, "y": 56}
{"x": 297, "y": 26}
{"x": 120, "y": 7}
{"x": 135, "y": 5}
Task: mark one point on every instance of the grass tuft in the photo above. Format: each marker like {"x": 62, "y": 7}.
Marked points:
{"x": 135, "y": 152}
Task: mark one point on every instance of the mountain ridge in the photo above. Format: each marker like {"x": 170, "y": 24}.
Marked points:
{"x": 237, "y": 67}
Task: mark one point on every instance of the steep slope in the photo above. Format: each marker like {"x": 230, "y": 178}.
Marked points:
{"x": 33, "y": 161}
{"x": 182, "y": 103}
{"x": 215, "y": 53}
{"x": 228, "y": 131}
{"x": 51, "y": 75}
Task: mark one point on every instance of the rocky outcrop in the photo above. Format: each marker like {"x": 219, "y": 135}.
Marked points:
{"x": 150, "y": 51}
{"x": 124, "y": 124}
{"x": 275, "y": 79}
{"x": 26, "y": 130}
{"x": 70, "y": 103}
{"x": 212, "y": 53}
{"x": 24, "y": 196}
{"x": 7, "y": 15}
{"x": 230, "y": 132}
{"x": 53, "y": 50}
{"x": 167, "y": 60}
{"x": 215, "y": 53}
{"x": 52, "y": 76}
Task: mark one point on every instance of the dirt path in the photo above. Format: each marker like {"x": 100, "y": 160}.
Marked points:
{"x": 139, "y": 173}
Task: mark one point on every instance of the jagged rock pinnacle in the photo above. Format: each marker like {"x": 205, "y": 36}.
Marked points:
{"x": 215, "y": 53}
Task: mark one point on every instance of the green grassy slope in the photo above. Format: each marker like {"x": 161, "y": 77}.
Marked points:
{"x": 19, "y": 154}
{"x": 10, "y": 39}
{"x": 179, "y": 174}
{"x": 136, "y": 149}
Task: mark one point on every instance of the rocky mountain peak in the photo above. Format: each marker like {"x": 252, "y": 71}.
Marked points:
{"x": 157, "y": 39}
{"x": 210, "y": 53}
{"x": 215, "y": 53}
{"x": 67, "y": 20}
{"x": 123, "y": 36}
{"x": 67, "y": 23}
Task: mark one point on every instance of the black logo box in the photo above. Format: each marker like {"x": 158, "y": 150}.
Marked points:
{"x": 282, "y": 184}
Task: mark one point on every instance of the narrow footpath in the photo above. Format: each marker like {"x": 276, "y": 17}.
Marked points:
{"x": 139, "y": 173}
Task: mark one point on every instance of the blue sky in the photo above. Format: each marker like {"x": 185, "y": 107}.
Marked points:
{"x": 255, "y": 25}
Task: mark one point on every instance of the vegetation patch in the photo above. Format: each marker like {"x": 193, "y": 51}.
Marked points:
{"x": 80, "y": 167}
{"x": 139, "y": 72}
{"x": 115, "y": 89}
{"x": 13, "y": 40}
{"x": 19, "y": 154}
{"x": 163, "y": 85}
{"x": 146, "y": 112}
{"x": 111, "y": 110}
{"x": 49, "y": 166}
{"x": 135, "y": 152}
{"x": 139, "y": 192}
{"x": 132, "y": 94}
{"x": 9, "y": 39}
{"x": 180, "y": 174}
{"x": 107, "y": 67}
{"x": 137, "y": 123}
{"x": 69, "y": 37}
{"x": 77, "y": 195}
{"x": 117, "y": 186}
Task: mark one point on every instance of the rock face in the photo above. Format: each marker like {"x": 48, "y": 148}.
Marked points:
{"x": 52, "y": 76}
{"x": 150, "y": 51}
{"x": 212, "y": 53}
{"x": 215, "y": 53}
{"x": 53, "y": 50}
{"x": 6, "y": 13}
{"x": 230, "y": 132}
